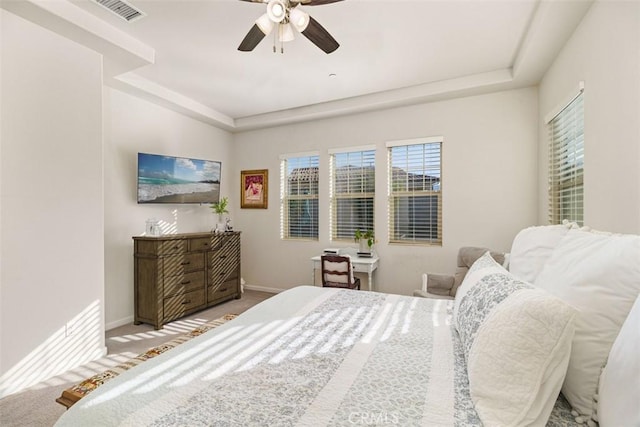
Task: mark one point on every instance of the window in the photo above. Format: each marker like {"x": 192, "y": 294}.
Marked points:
{"x": 299, "y": 197}
{"x": 352, "y": 192}
{"x": 415, "y": 191}
{"x": 566, "y": 163}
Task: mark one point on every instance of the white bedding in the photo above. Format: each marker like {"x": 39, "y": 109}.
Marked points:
{"x": 306, "y": 357}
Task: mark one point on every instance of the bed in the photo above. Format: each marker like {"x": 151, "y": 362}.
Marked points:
{"x": 309, "y": 356}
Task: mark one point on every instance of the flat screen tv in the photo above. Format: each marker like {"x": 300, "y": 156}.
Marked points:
{"x": 167, "y": 179}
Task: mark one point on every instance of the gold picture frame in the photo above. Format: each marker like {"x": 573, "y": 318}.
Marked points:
{"x": 254, "y": 189}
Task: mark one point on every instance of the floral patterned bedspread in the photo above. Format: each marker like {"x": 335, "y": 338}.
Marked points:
{"x": 306, "y": 357}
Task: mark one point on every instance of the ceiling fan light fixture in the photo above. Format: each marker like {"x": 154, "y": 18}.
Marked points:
{"x": 286, "y": 15}
{"x": 286, "y": 33}
{"x": 299, "y": 19}
{"x": 277, "y": 10}
{"x": 265, "y": 24}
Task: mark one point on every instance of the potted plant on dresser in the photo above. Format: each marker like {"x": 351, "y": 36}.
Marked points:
{"x": 220, "y": 209}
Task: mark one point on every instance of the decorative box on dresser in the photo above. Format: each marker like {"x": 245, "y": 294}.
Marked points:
{"x": 179, "y": 274}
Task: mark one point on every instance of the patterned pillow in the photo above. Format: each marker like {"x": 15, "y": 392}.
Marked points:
{"x": 517, "y": 340}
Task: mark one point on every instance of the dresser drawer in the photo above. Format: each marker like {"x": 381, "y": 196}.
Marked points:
{"x": 178, "y": 305}
{"x": 223, "y": 257}
{"x": 199, "y": 244}
{"x": 224, "y": 290}
{"x": 176, "y": 246}
{"x": 184, "y": 283}
{"x": 179, "y": 264}
{"x": 225, "y": 242}
{"x": 223, "y": 262}
{"x": 222, "y": 274}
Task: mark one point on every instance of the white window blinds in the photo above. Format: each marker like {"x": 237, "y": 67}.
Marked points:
{"x": 299, "y": 197}
{"x": 566, "y": 163}
{"x": 415, "y": 191}
{"x": 352, "y": 192}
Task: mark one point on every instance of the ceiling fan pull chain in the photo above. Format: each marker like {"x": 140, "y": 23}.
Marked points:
{"x": 275, "y": 38}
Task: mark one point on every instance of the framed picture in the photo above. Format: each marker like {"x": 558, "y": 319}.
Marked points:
{"x": 254, "y": 188}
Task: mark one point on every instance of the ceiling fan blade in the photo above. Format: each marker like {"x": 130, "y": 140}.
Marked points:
{"x": 251, "y": 40}
{"x": 314, "y": 2}
{"x": 320, "y": 37}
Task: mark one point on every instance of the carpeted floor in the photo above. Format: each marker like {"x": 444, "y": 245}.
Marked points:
{"x": 36, "y": 406}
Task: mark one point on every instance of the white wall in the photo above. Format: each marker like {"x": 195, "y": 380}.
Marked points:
{"x": 51, "y": 196}
{"x": 132, "y": 125}
{"x": 604, "y": 52}
{"x": 489, "y": 175}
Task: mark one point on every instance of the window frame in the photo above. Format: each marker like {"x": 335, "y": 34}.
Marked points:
{"x": 411, "y": 195}
{"x": 566, "y": 154}
{"x": 285, "y": 197}
{"x": 335, "y": 198}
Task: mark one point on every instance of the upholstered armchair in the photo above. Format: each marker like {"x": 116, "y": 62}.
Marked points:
{"x": 443, "y": 286}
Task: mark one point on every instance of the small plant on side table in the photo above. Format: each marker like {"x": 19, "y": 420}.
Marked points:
{"x": 363, "y": 237}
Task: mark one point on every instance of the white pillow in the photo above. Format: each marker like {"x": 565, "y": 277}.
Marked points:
{"x": 619, "y": 388}
{"x": 532, "y": 247}
{"x": 598, "y": 274}
{"x": 517, "y": 340}
{"x": 507, "y": 258}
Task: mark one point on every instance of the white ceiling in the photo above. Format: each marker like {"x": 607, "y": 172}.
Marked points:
{"x": 391, "y": 53}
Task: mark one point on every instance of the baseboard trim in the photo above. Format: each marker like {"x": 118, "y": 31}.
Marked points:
{"x": 100, "y": 353}
{"x": 264, "y": 289}
{"x": 117, "y": 323}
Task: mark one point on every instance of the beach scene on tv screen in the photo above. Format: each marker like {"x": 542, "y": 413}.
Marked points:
{"x": 166, "y": 179}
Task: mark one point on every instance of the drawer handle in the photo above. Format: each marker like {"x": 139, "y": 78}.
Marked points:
{"x": 186, "y": 302}
{"x": 186, "y": 282}
{"x": 223, "y": 256}
{"x": 222, "y": 274}
{"x": 176, "y": 247}
{"x": 223, "y": 290}
{"x": 185, "y": 263}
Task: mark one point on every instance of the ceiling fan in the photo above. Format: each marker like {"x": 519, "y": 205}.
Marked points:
{"x": 283, "y": 15}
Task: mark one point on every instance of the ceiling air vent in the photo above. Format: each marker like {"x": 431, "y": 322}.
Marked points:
{"x": 121, "y": 8}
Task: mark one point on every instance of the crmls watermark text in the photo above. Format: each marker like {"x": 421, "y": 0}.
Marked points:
{"x": 374, "y": 418}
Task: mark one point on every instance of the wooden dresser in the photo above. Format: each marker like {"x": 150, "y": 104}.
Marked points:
{"x": 178, "y": 274}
